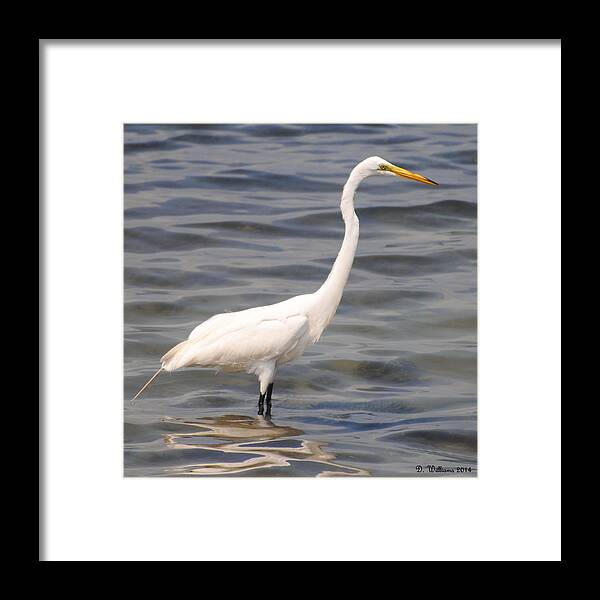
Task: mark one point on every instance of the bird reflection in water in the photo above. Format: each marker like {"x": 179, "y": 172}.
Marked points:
{"x": 251, "y": 438}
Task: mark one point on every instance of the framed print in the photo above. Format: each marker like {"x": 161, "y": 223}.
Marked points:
{"x": 336, "y": 264}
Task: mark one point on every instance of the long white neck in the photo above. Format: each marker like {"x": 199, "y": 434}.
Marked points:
{"x": 328, "y": 296}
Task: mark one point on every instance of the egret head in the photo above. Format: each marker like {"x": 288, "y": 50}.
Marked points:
{"x": 375, "y": 165}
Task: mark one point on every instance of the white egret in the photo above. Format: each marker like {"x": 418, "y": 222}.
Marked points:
{"x": 258, "y": 340}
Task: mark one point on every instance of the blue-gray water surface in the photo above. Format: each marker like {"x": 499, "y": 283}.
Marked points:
{"x": 225, "y": 217}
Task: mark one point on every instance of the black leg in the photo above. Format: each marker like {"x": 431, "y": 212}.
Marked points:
{"x": 261, "y": 403}
{"x": 269, "y": 393}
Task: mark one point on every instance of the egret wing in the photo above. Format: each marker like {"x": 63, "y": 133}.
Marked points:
{"x": 237, "y": 342}
{"x": 209, "y": 326}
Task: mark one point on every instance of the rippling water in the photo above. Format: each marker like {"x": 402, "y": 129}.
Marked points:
{"x": 222, "y": 218}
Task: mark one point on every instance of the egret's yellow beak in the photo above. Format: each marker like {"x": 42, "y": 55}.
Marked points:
{"x": 407, "y": 174}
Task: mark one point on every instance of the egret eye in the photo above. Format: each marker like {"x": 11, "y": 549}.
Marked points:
{"x": 382, "y": 167}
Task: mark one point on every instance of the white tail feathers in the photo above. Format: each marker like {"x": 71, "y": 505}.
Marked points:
{"x": 147, "y": 383}
{"x": 183, "y": 354}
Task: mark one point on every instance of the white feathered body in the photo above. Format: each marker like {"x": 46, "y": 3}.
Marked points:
{"x": 255, "y": 340}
